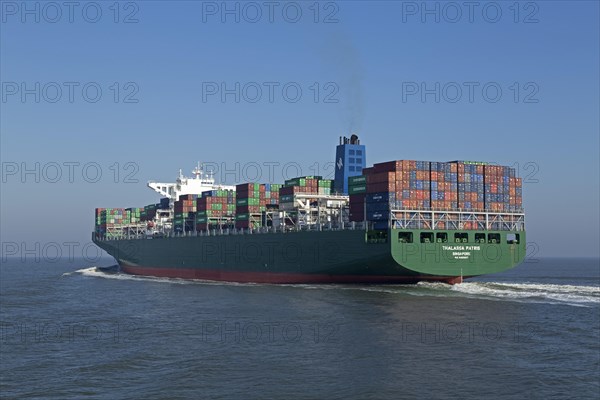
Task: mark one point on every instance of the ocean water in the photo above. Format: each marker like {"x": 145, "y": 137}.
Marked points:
{"x": 70, "y": 332}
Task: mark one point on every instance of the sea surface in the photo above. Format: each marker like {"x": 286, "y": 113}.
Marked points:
{"x": 70, "y": 332}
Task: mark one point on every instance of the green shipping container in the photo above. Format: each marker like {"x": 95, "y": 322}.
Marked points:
{"x": 357, "y": 180}
{"x": 242, "y": 217}
{"x": 247, "y": 202}
{"x": 296, "y": 182}
{"x": 357, "y": 189}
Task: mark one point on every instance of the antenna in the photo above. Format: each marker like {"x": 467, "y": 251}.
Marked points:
{"x": 197, "y": 171}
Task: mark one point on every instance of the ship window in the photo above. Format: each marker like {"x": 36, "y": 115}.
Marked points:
{"x": 405, "y": 237}
{"x": 441, "y": 237}
{"x": 512, "y": 238}
{"x": 426, "y": 237}
{"x": 494, "y": 238}
{"x": 351, "y": 160}
{"x": 480, "y": 238}
{"x": 359, "y": 152}
{"x": 377, "y": 237}
{"x": 461, "y": 237}
{"x": 351, "y": 152}
{"x": 359, "y": 160}
{"x": 351, "y": 168}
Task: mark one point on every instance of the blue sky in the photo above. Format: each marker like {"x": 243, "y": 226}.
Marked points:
{"x": 361, "y": 66}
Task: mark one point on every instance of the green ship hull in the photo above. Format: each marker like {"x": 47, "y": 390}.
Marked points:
{"x": 336, "y": 256}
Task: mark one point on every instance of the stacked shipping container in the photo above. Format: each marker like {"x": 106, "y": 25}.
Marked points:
{"x": 107, "y": 218}
{"x": 444, "y": 185}
{"x": 396, "y": 184}
{"x": 399, "y": 185}
{"x": 502, "y": 189}
{"x": 315, "y": 185}
{"x": 423, "y": 185}
{"x": 184, "y": 217}
{"x": 215, "y": 209}
{"x": 134, "y": 214}
{"x": 357, "y": 189}
{"x": 118, "y": 217}
{"x": 470, "y": 185}
{"x": 251, "y": 200}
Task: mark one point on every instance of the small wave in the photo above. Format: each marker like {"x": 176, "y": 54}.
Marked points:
{"x": 94, "y": 272}
{"x": 583, "y": 296}
{"x": 548, "y": 293}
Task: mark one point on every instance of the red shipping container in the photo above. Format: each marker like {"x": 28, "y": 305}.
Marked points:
{"x": 357, "y": 197}
{"x": 388, "y": 166}
{"x": 381, "y": 187}
{"x": 380, "y": 177}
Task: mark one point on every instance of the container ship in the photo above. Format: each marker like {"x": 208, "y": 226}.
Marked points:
{"x": 400, "y": 221}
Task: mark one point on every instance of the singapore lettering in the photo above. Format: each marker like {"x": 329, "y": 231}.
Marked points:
{"x": 461, "y": 252}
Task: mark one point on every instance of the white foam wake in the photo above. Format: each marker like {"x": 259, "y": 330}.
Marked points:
{"x": 95, "y": 273}
{"x": 534, "y": 292}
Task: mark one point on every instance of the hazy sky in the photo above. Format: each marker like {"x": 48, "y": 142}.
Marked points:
{"x": 138, "y": 90}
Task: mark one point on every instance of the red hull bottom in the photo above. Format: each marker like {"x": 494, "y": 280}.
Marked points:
{"x": 280, "y": 278}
